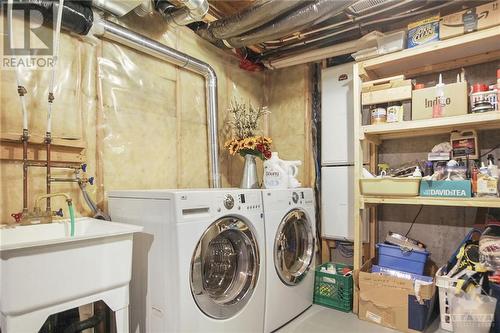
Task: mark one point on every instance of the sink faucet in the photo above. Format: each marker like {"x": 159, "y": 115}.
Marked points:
{"x": 44, "y": 216}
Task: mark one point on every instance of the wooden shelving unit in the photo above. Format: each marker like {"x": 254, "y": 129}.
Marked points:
{"x": 470, "y": 49}
{"x": 414, "y": 128}
{"x": 429, "y": 201}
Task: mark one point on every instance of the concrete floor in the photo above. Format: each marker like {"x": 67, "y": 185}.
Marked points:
{"x": 321, "y": 319}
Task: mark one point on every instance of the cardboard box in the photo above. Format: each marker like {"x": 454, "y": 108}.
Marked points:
{"x": 477, "y": 18}
{"x": 424, "y": 99}
{"x": 392, "y": 302}
{"x": 423, "y": 31}
{"x": 446, "y": 188}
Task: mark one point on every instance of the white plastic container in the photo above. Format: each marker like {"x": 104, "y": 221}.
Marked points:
{"x": 275, "y": 175}
{"x": 397, "y": 187}
{"x": 391, "y": 42}
{"x": 365, "y": 54}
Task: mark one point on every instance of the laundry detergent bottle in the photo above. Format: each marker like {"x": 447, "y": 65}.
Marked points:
{"x": 275, "y": 175}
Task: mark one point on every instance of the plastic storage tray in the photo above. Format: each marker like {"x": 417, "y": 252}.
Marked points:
{"x": 398, "y": 187}
{"x": 395, "y": 257}
{"x": 333, "y": 290}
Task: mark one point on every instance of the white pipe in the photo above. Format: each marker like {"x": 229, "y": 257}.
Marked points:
{"x": 21, "y": 89}
{"x": 54, "y": 65}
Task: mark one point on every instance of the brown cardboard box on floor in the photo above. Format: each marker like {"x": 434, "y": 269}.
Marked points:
{"x": 477, "y": 18}
{"x": 423, "y": 101}
{"x": 384, "y": 300}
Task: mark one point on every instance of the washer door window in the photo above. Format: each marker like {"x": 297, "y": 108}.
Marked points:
{"x": 293, "y": 247}
{"x": 224, "y": 268}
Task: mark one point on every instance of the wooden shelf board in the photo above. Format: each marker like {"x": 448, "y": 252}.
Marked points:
{"x": 413, "y": 128}
{"x": 466, "y": 50}
{"x": 429, "y": 201}
{"x": 63, "y": 150}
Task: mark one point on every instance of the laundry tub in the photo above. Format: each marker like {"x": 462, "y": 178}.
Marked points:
{"x": 45, "y": 271}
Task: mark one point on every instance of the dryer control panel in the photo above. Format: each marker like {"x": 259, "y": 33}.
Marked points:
{"x": 301, "y": 197}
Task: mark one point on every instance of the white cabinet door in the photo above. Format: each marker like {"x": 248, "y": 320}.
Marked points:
{"x": 337, "y": 203}
{"x": 337, "y": 118}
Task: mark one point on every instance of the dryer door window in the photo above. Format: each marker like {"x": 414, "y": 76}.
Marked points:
{"x": 224, "y": 268}
{"x": 293, "y": 247}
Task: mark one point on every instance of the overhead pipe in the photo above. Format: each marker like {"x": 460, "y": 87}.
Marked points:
{"x": 78, "y": 17}
{"x": 315, "y": 50}
{"x": 258, "y": 14}
{"x": 119, "y": 34}
{"x": 303, "y": 18}
{"x": 384, "y": 7}
{"x": 192, "y": 11}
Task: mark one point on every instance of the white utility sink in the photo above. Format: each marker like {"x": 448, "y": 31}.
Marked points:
{"x": 44, "y": 271}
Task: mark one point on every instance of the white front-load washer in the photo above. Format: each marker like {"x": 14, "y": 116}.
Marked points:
{"x": 289, "y": 217}
{"x": 199, "y": 265}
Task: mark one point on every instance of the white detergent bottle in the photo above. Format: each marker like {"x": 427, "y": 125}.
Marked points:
{"x": 275, "y": 175}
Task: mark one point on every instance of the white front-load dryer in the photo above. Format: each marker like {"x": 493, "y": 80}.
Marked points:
{"x": 199, "y": 265}
{"x": 289, "y": 217}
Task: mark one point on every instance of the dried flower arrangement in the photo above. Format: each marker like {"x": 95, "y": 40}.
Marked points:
{"x": 245, "y": 126}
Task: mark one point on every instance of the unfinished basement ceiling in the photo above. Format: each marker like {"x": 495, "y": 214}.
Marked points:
{"x": 288, "y": 28}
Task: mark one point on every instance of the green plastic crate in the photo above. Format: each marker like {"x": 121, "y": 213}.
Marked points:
{"x": 333, "y": 290}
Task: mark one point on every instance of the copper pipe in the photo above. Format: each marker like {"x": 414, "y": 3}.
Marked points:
{"x": 24, "y": 139}
{"x": 48, "y": 140}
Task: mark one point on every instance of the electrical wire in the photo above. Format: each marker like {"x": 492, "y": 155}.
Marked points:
{"x": 414, "y": 220}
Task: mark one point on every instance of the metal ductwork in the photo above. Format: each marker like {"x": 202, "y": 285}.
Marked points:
{"x": 77, "y": 16}
{"x": 192, "y": 11}
{"x": 117, "y": 7}
{"x": 305, "y": 17}
{"x": 260, "y": 13}
{"x": 117, "y": 33}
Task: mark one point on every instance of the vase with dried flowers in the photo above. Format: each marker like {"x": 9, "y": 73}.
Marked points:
{"x": 246, "y": 142}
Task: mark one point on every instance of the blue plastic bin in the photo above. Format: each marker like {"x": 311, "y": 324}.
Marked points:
{"x": 419, "y": 315}
{"x": 395, "y": 257}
